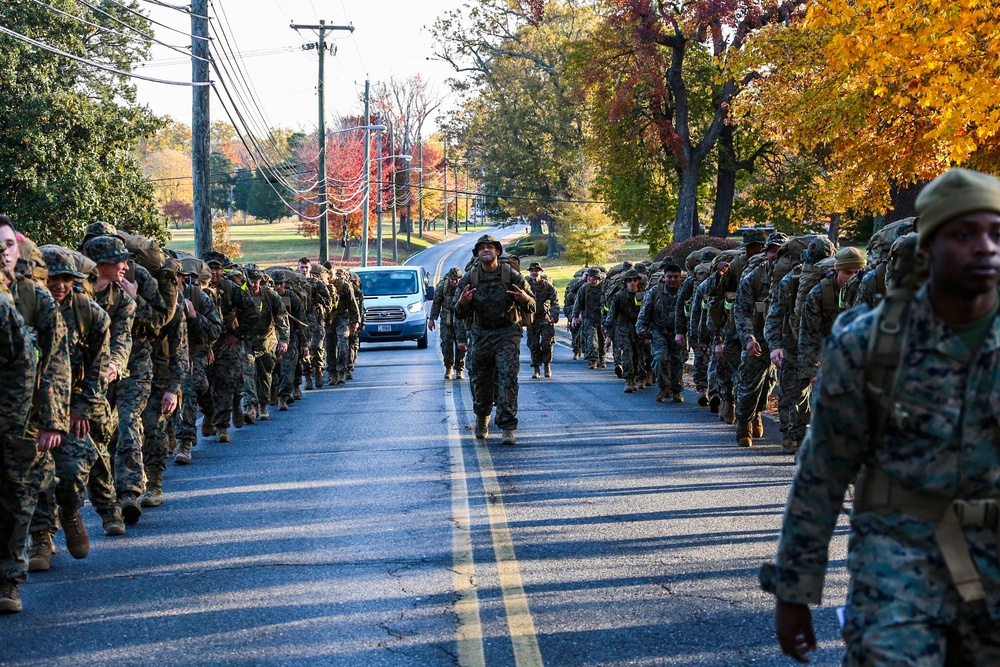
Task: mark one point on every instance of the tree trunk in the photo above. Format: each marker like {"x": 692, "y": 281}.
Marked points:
{"x": 536, "y": 225}
{"x": 553, "y": 241}
{"x": 725, "y": 184}
{"x": 904, "y": 201}
{"x": 686, "y": 222}
{"x": 834, "y": 233}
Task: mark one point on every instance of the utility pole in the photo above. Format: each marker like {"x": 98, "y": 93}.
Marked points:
{"x": 321, "y": 47}
{"x": 409, "y": 190}
{"x": 368, "y": 172}
{"x": 420, "y": 186}
{"x": 379, "y": 195}
{"x": 446, "y": 186}
{"x": 229, "y": 213}
{"x": 201, "y": 144}
{"x": 392, "y": 181}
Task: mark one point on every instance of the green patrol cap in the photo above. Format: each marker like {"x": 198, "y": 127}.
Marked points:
{"x": 106, "y": 249}
{"x": 849, "y": 258}
{"x": 316, "y": 269}
{"x": 632, "y": 274}
{"x": 751, "y": 236}
{"x": 59, "y": 262}
{"x": 101, "y": 228}
{"x": 952, "y": 194}
{"x": 594, "y": 271}
{"x": 486, "y": 239}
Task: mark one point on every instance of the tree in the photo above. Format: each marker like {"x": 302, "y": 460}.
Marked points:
{"x": 170, "y": 170}
{"x": 265, "y": 199}
{"x": 241, "y": 193}
{"x": 68, "y": 130}
{"x": 588, "y": 233}
{"x": 178, "y": 210}
{"x": 223, "y": 177}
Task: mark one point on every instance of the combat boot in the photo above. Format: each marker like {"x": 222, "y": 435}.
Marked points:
{"x": 249, "y": 414}
{"x": 10, "y": 597}
{"x": 602, "y": 364}
{"x": 713, "y": 404}
{"x": 131, "y": 509}
{"x": 350, "y": 374}
{"x": 743, "y": 436}
{"x": 576, "y": 355}
{"x": 171, "y": 440}
{"x": 703, "y": 398}
{"x": 223, "y": 435}
{"x": 789, "y": 445}
{"x": 274, "y": 400}
{"x": 153, "y": 497}
{"x": 757, "y": 424}
{"x": 309, "y": 382}
{"x": 591, "y": 365}
{"x": 297, "y": 394}
{"x": 263, "y": 415}
{"x": 182, "y": 456}
{"x": 649, "y": 379}
{"x": 341, "y": 377}
{"x": 619, "y": 371}
{"x": 447, "y": 372}
{"x": 460, "y": 374}
{"x": 629, "y": 386}
{"x": 677, "y": 396}
{"x": 482, "y": 426}
{"x": 40, "y": 552}
{"x": 537, "y": 374}
{"x": 207, "y": 427}
{"x": 238, "y": 416}
{"x": 729, "y": 412}
{"x": 508, "y": 437}
{"x": 548, "y": 370}
{"x": 282, "y": 404}
{"x": 113, "y": 523}
{"x": 661, "y": 396}
{"x": 319, "y": 379}
{"x": 77, "y": 540}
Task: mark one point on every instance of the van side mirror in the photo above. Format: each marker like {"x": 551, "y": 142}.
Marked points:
{"x": 429, "y": 294}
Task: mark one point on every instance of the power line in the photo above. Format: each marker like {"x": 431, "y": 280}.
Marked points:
{"x": 155, "y": 22}
{"x": 101, "y": 66}
{"x": 177, "y": 8}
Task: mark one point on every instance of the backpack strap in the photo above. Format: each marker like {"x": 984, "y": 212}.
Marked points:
{"x": 83, "y": 314}
{"x": 26, "y": 303}
{"x": 886, "y": 344}
{"x": 830, "y": 299}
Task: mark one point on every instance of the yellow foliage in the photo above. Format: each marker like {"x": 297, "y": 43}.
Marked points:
{"x": 221, "y": 241}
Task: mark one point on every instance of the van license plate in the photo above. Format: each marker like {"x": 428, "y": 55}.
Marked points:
{"x": 385, "y": 328}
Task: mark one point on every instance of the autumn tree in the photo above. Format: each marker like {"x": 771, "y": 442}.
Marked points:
{"x": 169, "y": 169}
{"x": 588, "y": 233}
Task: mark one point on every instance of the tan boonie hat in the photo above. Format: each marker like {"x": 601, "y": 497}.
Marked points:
{"x": 956, "y": 192}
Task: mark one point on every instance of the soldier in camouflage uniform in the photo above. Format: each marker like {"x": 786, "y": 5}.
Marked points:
{"x": 87, "y": 333}
{"x": 111, "y": 257}
{"x": 622, "y": 316}
{"x": 225, "y": 375}
{"x": 542, "y": 332}
{"x": 569, "y": 306}
{"x": 822, "y": 306}
{"x": 588, "y": 314}
{"x": 689, "y": 329}
{"x": 34, "y": 412}
{"x": 656, "y": 322}
{"x": 204, "y": 326}
{"x": 906, "y": 410}
{"x": 298, "y": 332}
{"x": 756, "y": 377}
{"x": 452, "y": 328}
{"x": 355, "y": 338}
{"x": 267, "y": 340}
{"x": 702, "y": 332}
{"x": 320, "y": 306}
{"x": 488, "y": 296}
{"x": 345, "y": 321}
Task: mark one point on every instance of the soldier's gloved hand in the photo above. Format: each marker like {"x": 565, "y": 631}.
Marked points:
{"x": 79, "y": 427}
{"x": 47, "y": 440}
{"x": 793, "y": 623}
{"x": 169, "y": 403}
{"x": 753, "y": 348}
{"x": 777, "y": 356}
{"x": 430, "y": 325}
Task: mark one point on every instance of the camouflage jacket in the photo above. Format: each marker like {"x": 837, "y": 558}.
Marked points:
{"x": 319, "y": 303}
{"x": 941, "y": 440}
{"x": 546, "y": 299}
{"x": 589, "y": 304}
{"x": 238, "y": 311}
{"x": 872, "y": 287}
{"x": 113, "y": 298}
{"x": 684, "y": 306}
{"x": 750, "y": 307}
{"x": 491, "y": 303}
{"x": 298, "y": 326}
{"x": 89, "y": 354}
{"x": 444, "y": 303}
{"x": 624, "y": 310}
{"x": 347, "y": 302}
{"x": 658, "y": 312}
{"x": 151, "y": 310}
{"x": 206, "y": 326}
{"x": 777, "y": 327}
{"x": 170, "y": 355}
{"x": 818, "y": 315}
{"x": 17, "y": 367}
{"x": 569, "y": 296}
{"x": 272, "y": 319}
{"x": 700, "y": 329}
{"x": 53, "y": 376}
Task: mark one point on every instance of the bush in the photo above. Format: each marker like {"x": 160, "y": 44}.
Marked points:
{"x": 678, "y": 252}
{"x": 541, "y": 248}
{"x": 525, "y": 246}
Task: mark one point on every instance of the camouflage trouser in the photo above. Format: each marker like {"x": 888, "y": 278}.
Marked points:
{"x": 226, "y": 378}
{"x": 575, "y": 336}
{"x": 793, "y": 406}
{"x": 313, "y": 364}
{"x": 196, "y": 392}
{"x": 73, "y": 459}
{"x": 130, "y": 397}
{"x": 629, "y": 345}
{"x": 727, "y": 366}
{"x": 880, "y": 631}
{"x": 101, "y": 480}
{"x": 22, "y": 471}
{"x": 339, "y": 346}
{"x": 668, "y": 361}
{"x": 451, "y": 335}
{"x": 714, "y": 384}
{"x": 355, "y": 348}
{"x": 330, "y": 340}
{"x": 541, "y": 341}
{"x": 258, "y": 363}
{"x": 700, "y": 374}
{"x": 286, "y": 371}
{"x": 592, "y": 340}
{"x": 754, "y": 381}
{"x": 154, "y": 446}
{"x": 493, "y": 366}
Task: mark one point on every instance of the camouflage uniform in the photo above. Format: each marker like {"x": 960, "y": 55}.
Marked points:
{"x": 203, "y": 330}
{"x": 621, "y": 322}
{"x": 338, "y": 342}
{"x": 940, "y": 442}
{"x": 542, "y": 332}
{"x": 298, "y": 331}
{"x": 495, "y": 356}
{"x": 320, "y": 305}
{"x": 225, "y": 376}
{"x": 818, "y": 316}
{"x": 701, "y": 332}
{"x": 260, "y": 346}
{"x": 451, "y": 329}
{"x": 569, "y": 306}
{"x": 590, "y": 309}
{"x": 755, "y": 378}
{"x": 793, "y": 404}
{"x": 355, "y": 336}
{"x": 682, "y": 321}
{"x": 656, "y": 321}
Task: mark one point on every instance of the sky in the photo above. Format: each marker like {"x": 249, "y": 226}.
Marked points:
{"x": 391, "y": 38}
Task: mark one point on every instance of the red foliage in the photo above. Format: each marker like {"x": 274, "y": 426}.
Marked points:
{"x": 178, "y": 210}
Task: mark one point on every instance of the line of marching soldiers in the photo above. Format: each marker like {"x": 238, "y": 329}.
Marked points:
{"x": 754, "y": 317}
{"x": 107, "y": 354}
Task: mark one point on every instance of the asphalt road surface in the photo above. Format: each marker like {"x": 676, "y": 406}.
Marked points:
{"x": 366, "y": 527}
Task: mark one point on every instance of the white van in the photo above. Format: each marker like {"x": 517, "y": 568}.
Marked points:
{"x": 395, "y": 308}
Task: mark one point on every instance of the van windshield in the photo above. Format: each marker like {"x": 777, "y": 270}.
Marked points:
{"x": 388, "y": 283}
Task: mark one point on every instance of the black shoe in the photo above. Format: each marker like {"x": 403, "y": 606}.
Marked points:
{"x": 619, "y": 371}
{"x": 713, "y": 404}
{"x": 131, "y": 510}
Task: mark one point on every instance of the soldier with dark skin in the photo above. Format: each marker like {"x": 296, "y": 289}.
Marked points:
{"x": 452, "y": 329}
{"x": 905, "y": 409}
{"x": 486, "y": 301}
{"x": 541, "y": 332}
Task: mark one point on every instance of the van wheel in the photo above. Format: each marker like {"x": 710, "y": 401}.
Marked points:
{"x": 422, "y": 343}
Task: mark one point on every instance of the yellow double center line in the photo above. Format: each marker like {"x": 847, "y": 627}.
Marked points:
{"x": 524, "y": 639}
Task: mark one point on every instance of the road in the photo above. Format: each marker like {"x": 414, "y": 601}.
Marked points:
{"x": 366, "y": 527}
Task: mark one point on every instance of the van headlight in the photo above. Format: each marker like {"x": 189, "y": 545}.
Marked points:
{"x": 415, "y": 307}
